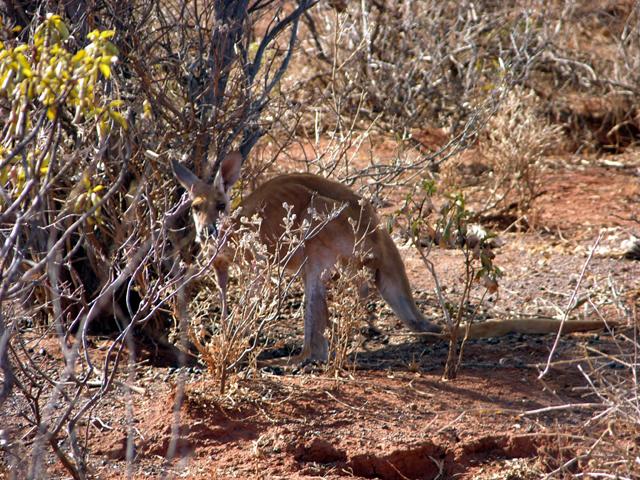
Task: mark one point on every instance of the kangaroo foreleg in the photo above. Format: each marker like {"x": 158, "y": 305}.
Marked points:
{"x": 222, "y": 276}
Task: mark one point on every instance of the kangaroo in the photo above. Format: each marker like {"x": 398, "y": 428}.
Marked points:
{"x": 307, "y": 194}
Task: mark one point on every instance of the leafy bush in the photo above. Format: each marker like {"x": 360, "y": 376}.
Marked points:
{"x": 90, "y": 219}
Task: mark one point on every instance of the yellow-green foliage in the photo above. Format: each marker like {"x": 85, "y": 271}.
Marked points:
{"x": 43, "y": 77}
{"x": 48, "y": 74}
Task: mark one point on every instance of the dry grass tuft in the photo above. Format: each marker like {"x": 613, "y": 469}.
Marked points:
{"x": 518, "y": 137}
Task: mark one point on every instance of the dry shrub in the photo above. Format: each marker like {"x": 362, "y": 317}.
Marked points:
{"x": 518, "y": 137}
{"x": 608, "y": 446}
{"x": 89, "y": 214}
{"x": 417, "y": 63}
{"x": 257, "y": 297}
{"x": 589, "y": 77}
{"x": 611, "y": 377}
{"x": 401, "y": 68}
{"x": 347, "y": 309}
{"x": 257, "y": 294}
{"x": 350, "y": 290}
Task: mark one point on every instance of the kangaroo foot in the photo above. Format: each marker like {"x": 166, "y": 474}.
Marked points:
{"x": 306, "y": 357}
{"x": 428, "y": 327}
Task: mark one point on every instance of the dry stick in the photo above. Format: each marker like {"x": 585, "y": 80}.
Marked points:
{"x": 127, "y": 386}
{"x": 44, "y": 431}
{"x": 574, "y": 460}
{"x": 602, "y": 475}
{"x": 467, "y": 330}
{"x": 636, "y": 344}
{"x": 172, "y": 449}
{"x": 452, "y": 422}
{"x": 6, "y": 332}
{"x": 593, "y": 387}
{"x": 397, "y": 471}
{"x": 568, "y": 406}
{"x": 129, "y": 408}
{"x": 440, "y": 465}
{"x": 613, "y": 358}
{"x": 570, "y": 306}
{"x": 438, "y": 289}
{"x": 357, "y": 409}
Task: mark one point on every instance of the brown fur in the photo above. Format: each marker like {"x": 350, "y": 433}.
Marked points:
{"x": 334, "y": 242}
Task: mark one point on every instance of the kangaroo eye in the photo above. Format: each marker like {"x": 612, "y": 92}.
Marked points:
{"x": 221, "y": 206}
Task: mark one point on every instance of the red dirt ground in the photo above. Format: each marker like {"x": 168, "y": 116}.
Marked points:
{"x": 392, "y": 416}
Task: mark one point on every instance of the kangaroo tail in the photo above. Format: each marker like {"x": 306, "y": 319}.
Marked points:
{"x": 497, "y": 328}
{"x": 393, "y": 285}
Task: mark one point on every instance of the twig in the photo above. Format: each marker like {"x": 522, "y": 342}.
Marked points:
{"x": 570, "y": 306}
{"x": 133, "y": 388}
{"x": 455, "y": 420}
{"x": 357, "y": 409}
{"x": 574, "y": 460}
{"x": 568, "y": 406}
{"x": 403, "y": 477}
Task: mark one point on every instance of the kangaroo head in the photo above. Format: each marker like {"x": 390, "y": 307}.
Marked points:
{"x": 209, "y": 201}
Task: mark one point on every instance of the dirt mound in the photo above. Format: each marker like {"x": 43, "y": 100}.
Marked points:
{"x": 427, "y": 460}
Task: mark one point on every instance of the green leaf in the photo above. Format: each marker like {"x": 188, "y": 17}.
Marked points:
{"x": 110, "y": 49}
{"x": 105, "y": 69}
{"x": 24, "y": 65}
{"x": 118, "y": 118}
{"x": 78, "y": 56}
{"x": 485, "y": 261}
{"x": 429, "y": 187}
{"x": 61, "y": 27}
{"x": 52, "y": 111}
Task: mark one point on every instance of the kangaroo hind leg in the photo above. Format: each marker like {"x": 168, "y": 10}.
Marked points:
{"x": 316, "y": 316}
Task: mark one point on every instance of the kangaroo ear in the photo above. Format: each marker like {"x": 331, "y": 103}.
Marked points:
{"x": 185, "y": 177}
{"x": 230, "y": 169}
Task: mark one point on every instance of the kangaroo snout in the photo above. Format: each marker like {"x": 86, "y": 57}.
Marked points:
{"x": 208, "y": 232}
